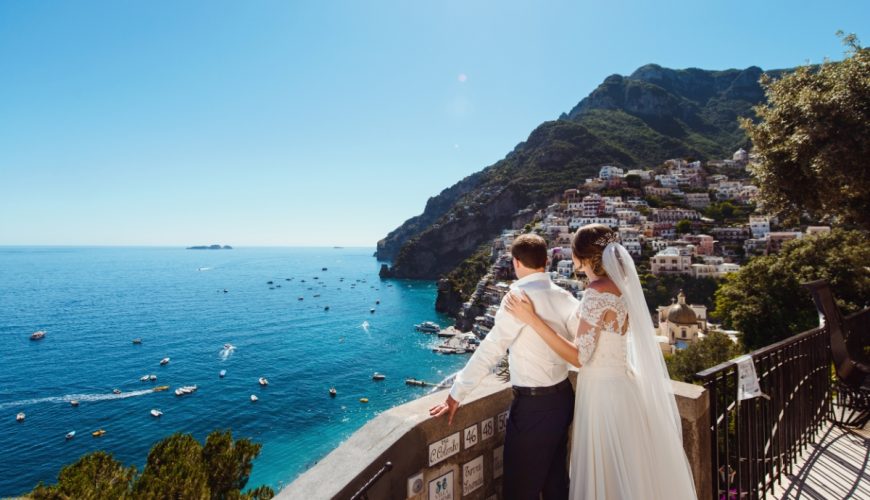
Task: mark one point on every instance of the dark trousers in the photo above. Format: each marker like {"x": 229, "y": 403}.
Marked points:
{"x": 536, "y": 446}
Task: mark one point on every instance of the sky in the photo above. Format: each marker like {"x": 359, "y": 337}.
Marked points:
{"x": 320, "y": 123}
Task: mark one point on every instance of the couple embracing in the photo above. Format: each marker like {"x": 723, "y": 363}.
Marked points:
{"x": 626, "y": 440}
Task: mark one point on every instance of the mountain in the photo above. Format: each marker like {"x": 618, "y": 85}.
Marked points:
{"x": 631, "y": 121}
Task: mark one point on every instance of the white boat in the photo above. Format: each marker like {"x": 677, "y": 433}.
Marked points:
{"x": 372, "y": 310}
{"x": 153, "y": 378}
{"x": 187, "y": 389}
{"x": 229, "y": 347}
{"x": 137, "y": 341}
{"x": 264, "y": 381}
{"x": 116, "y": 391}
{"x": 428, "y": 327}
{"x": 223, "y": 373}
{"x": 70, "y": 435}
{"x": 20, "y": 417}
{"x": 378, "y": 376}
{"x": 37, "y": 335}
{"x": 74, "y": 402}
{"x": 254, "y": 398}
{"x": 156, "y": 413}
{"x": 144, "y": 378}
{"x": 164, "y": 361}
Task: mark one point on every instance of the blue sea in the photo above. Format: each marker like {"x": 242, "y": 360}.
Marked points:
{"x": 92, "y": 302}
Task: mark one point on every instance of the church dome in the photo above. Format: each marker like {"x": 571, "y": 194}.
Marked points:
{"x": 680, "y": 313}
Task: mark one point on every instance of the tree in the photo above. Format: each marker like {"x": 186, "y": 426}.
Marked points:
{"x": 765, "y": 299}
{"x": 227, "y": 463}
{"x": 177, "y": 467}
{"x": 633, "y": 181}
{"x": 95, "y": 475}
{"x": 683, "y": 227}
{"x": 174, "y": 469}
{"x": 707, "y": 352}
{"x": 813, "y": 140}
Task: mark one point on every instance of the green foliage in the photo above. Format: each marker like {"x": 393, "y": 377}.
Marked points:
{"x": 177, "y": 467}
{"x": 467, "y": 274}
{"x": 661, "y": 290}
{"x": 683, "y": 227}
{"x": 707, "y": 352}
{"x": 813, "y": 140}
{"x": 728, "y": 211}
{"x": 765, "y": 299}
{"x": 95, "y": 475}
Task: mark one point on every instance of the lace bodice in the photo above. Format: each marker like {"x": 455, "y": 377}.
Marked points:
{"x": 601, "y": 339}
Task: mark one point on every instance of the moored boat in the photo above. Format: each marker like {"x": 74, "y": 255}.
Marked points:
{"x": 70, "y": 435}
{"x": 156, "y": 413}
{"x": 363, "y": 400}
{"x": 164, "y": 361}
{"x": 254, "y": 398}
{"x": 332, "y": 392}
{"x": 263, "y": 381}
{"x": 378, "y": 376}
{"x": 37, "y": 335}
{"x": 222, "y": 374}
{"x": 137, "y": 341}
{"x": 428, "y": 327}
{"x": 98, "y": 433}
{"x": 20, "y": 417}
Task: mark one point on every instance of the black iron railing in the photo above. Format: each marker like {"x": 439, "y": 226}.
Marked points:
{"x": 755, "y": 440}
{"x": 363, "y": 493}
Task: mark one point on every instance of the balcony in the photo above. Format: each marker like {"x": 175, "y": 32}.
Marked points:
{"x": 782, "y": 447}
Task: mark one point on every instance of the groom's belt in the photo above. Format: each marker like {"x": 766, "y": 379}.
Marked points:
{"x": 563, "y": 386}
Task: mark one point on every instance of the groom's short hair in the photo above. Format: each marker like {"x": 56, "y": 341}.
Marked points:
{"x": 531, "y": 250}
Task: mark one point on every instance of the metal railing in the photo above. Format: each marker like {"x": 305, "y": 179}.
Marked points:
{"x": 755, "y": 441}
{"x": 363, "y": 493}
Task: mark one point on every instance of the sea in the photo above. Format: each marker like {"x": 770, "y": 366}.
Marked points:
{"x": 185, "y": 305}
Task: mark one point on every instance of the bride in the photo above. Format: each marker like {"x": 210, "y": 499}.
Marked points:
{"x": 627, "y": 441}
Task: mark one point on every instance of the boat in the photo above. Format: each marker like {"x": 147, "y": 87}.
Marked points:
{"x": 116, "y": 391}
{"x": 37, "y": 335}
{"x": 372, "y": 310}
{"x": 377, "y": 302}
{"x": 428, "y": 327}
{"x": 254, "y": 398}
{"x": 326, "y": 308}
{"x": 187, "y": 389}
{"x": 332, "y": 392}
{"x": 144, "y": 378}
{"x": 323, "y": 269}
{"x": 301, "y": 298}
{"x": 74, "y": 402}
{"x": 263, "y": 381}
{"x": 153, "y": 378}
{"x": 363, "y": 400}
{"x": 269, "y": 282}
{"x": 316, "y": 295}
{"x": 164, "y": 361}
{"x": 70, "y": 435}
{"x": 137, "y": 341}
{"x": 378, "y": 376}
{"x": 229, "y": 347}
{"x": 161, "y": 388}
{"x": 223, "y": 373}
{"x": 20, "y": 417}
{"x": 156, "y": 413}
{"x": 413, "y": 381}
{"x": 98, "y": 433}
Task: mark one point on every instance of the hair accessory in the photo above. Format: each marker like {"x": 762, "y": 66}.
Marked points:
{"x": 608, "y": 238}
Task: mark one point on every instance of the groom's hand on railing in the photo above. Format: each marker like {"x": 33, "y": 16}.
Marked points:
{"x": 449, "y": 407}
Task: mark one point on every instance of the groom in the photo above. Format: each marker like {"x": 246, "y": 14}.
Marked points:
{"x": 536, "y": 441}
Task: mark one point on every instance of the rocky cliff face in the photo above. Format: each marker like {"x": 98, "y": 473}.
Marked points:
{"x": 629, "y": 121}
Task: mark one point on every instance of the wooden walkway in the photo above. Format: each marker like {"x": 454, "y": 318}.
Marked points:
{"x": 836, "y": 466}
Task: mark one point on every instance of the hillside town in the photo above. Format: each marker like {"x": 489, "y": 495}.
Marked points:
{"x": 681, "y": 218}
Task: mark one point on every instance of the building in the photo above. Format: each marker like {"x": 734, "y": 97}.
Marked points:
{"x": 657, "y": 191}
{"x": 565, "y": 268}
{"x": 577, "y": 222}
{"x": 776, "y": 240}
{"x": 608, "y": 172}
{"x": 682, "y": 323}
{"x": 740, "y": 156}
{"x": 592, "y": 205}
{"x": 630, "y": 239}
{"x": 573, "y": 200}
{"x": 759, "y": 226}
{"x": 704, "y": 244}
{"x": 673, "y": 214}
{"x": 671, "y": 260}
{"x": 698, "y": 200}
{"x": 735, "y": 234}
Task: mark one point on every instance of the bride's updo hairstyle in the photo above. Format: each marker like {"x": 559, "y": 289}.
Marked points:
{"x": 588, "y": 245}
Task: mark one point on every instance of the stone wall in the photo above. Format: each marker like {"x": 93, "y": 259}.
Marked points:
{"x": 431, "y": 460}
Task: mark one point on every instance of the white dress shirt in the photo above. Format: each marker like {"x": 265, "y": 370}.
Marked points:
{"x": 532, "y": 362}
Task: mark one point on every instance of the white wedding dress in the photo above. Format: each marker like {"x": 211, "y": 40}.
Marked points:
{"x": 624, "y": 446}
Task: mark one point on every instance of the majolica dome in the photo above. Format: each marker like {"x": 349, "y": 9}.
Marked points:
{"x": 680, "y": 313}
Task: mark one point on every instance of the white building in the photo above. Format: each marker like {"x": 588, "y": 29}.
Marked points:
{"x": 609, "y": 172}
{"x": 671, "y": 260}
{"x": 577, "y": 222}
{"x": 565, "y": 268}
{"x": 592, "y": 205}
{"x": 759, "y": 226}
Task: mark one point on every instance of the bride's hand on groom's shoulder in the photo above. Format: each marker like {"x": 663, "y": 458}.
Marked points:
{"x": 520, "y": 306}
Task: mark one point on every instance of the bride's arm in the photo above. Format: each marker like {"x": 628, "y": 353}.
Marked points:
{"x": 521, "y": 307}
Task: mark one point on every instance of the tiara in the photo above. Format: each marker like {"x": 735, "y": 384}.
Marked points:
{"x": 605, "y": 240}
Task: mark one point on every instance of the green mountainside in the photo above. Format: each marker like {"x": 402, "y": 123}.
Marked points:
{"x": 628, "y": 121}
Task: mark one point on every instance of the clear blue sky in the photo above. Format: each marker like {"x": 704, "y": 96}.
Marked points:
{"x": 321, "y": 122}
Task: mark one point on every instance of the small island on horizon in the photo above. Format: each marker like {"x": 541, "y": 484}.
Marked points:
{"x": 210, "y": 247}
